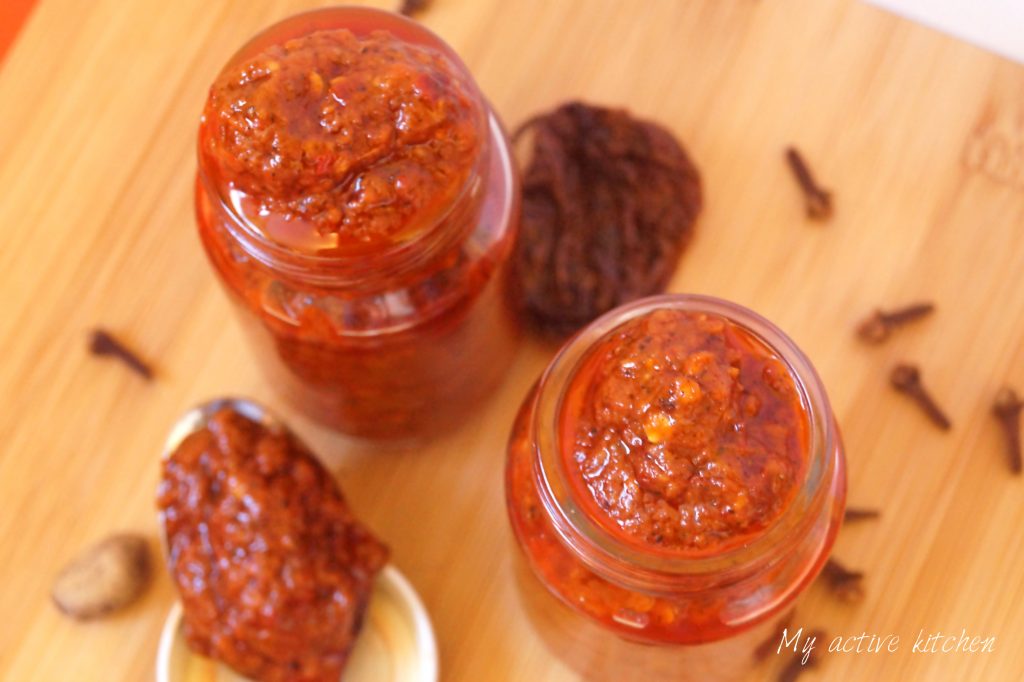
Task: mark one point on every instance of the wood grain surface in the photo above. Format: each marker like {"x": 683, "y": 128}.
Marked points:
{"x": 921, "y": 138}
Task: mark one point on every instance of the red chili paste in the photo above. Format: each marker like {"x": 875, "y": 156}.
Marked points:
{"x": 335, "y": 143}
{"x": 273, "y": 570}
{"x": 683, "y": 432}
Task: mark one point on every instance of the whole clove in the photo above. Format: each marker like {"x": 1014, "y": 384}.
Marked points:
{"x": 817, "y": 199}
{"x": 854, "y": 514}
{"x": 795, "y": 666}
{"x": 413, "y": 7}
{"x": 1007, "y": 409}
{"x": 906, "y": 379}
{"x": 103, "y": 343}
{"x": 880, "y": 325}
{"x": 847, "y": 585}
{"x": 770, "y": 645}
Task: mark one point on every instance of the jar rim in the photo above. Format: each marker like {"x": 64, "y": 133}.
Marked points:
{"x": 353, "y": 267}
{"x": 601, "y": 549}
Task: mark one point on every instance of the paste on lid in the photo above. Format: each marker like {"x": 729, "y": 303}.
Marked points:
{"x": 273, "y": 569}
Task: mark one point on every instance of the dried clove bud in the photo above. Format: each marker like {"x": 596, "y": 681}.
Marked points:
{"x": 770, "y": 645}
{"x": 854, "y": 514}
{"x": 880, "y": 326}
{"x": 102, "y": 343}
{"x": 413, "y": 7}
{"x": 796, "y": 666}
{"x": 907, "y": 380}
{"x": 1007, "y": 409}
{"x": 817, "y": 199}
{"x": 846, "y": 584}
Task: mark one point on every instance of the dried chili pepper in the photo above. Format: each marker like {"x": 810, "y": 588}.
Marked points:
{"x": 609, "y": 204}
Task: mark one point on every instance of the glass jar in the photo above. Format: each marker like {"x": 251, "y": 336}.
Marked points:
{"x": 625, "y": 611}
{"x": 398, "y": 338}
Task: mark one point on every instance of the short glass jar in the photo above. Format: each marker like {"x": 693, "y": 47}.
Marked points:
{"x": 395, "y": 338}
{"x": 626, "y": 611}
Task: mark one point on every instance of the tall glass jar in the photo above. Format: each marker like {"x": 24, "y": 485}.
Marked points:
{"x": 394, "y": 334}
{"x": 617, "y": 610}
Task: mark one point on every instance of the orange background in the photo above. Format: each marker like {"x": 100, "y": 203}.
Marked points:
{"x": 13, "y": 14}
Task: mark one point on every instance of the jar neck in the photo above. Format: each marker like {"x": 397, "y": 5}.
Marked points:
{"x": 444, "y": 233}
{"x": 657, "y": 572}
{"x": 434, "y": 234}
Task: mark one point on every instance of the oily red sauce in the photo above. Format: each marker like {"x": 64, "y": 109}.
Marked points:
{"x": 682, "y": 432}
{"x": 337, "y": 143}
{"x": 273, "y": 570}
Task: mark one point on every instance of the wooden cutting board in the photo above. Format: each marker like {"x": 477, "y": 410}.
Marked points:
{"x": 921, "y": 138}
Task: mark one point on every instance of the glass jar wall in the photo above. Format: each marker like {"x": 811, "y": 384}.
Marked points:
{"x": 356, "y": 198}
{"x": 686, "y": 580}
